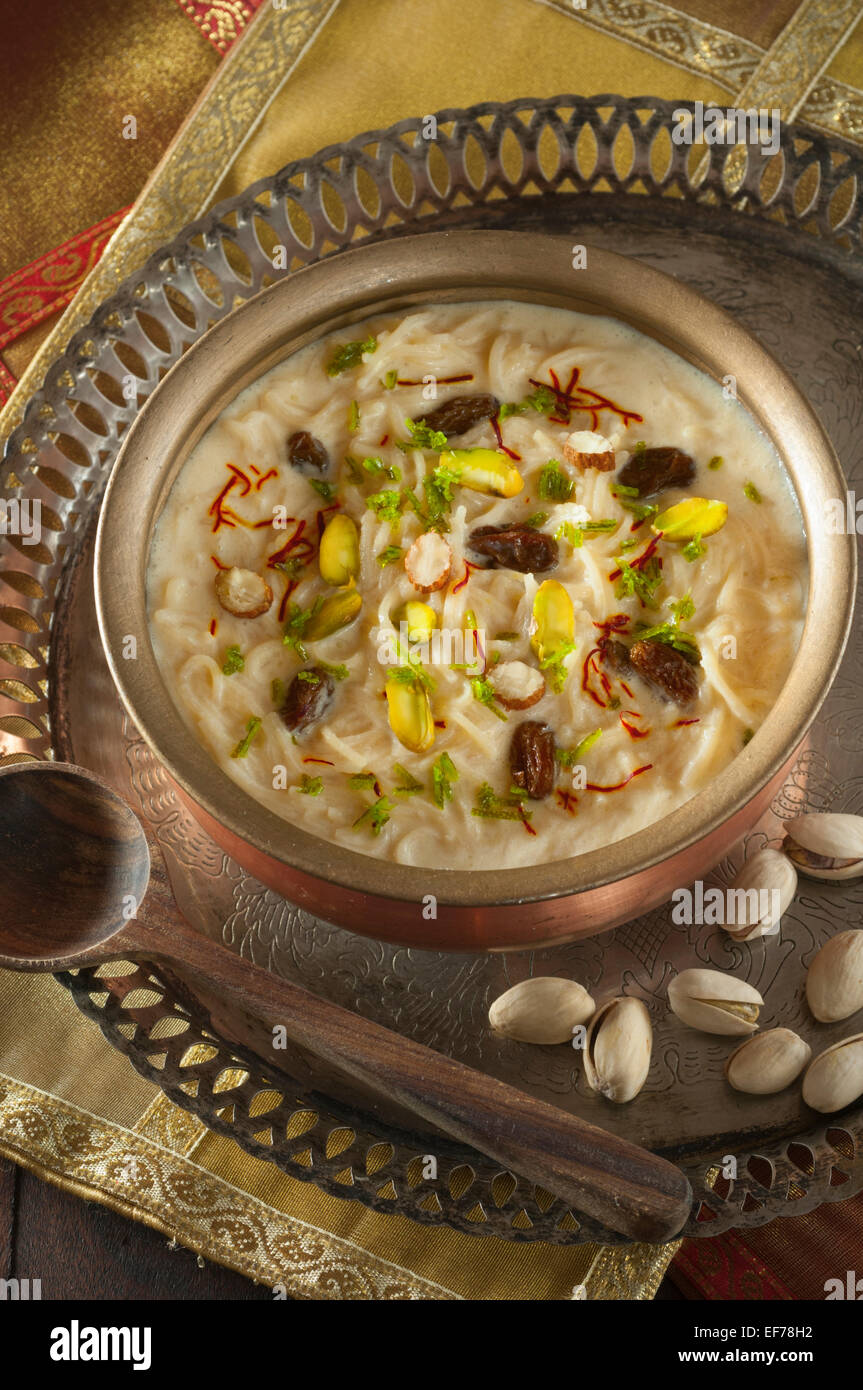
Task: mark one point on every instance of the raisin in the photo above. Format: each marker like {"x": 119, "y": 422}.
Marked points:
{"x": 666, "y": 670}
{"x": 531, "y": 759}
{"x": 615, "y": 655}
{"x": 651, "y": 470}
{"x": 307, "y": 453}
{"x": 515, "y": 547}
{"x": 309, "y": 696}
{"x": 460, "y": 413}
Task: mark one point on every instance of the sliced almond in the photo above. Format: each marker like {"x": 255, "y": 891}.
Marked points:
{"x": 587, "y": 449}
{"x": 243, "y": 593}
{"x": 428, "y": 562}
{"x": 517, "y": 685}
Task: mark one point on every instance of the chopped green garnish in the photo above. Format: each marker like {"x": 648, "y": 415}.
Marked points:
{"x": 506, "y": 636}
{"x": 291, "y": 567}
{"x": 277, "y": 692}
{"x": 422, "y": 436}
{"x": 322, "y": 488}
{"x": 542, "y": 400}
{"x": 310, "y": 677}
{"x": 389, "y": 556}
{"x": 484, "y": 692}
{"x": 670, "y": 635}
{"x": 554, "y": 486}
{"x": 537, "y": 519}
{"x": 716, "y": 462}
{"x": 575, "y": 534}
{"x": 490, "y": 806}
{"x": 694, "y": 549}
{"x": 350, "y": 355}
{"x": 390, "y": 379}
{"x": 751, "y": 491}
{"x": 375, "y": 816}
{"x": 338, "y": 673}
{"x": 748, "y": 735}
{"x": 517, "y": 793}
{"x": 640, "y": 510}
{"x": 298, "y": 620}
{"x": 407, "y": 784}
{"x": 630, "y": 543}
{"x": 408, "y": 675}
{"x": 554, "y": 664}
{"x": 444, "y": 773}
{"x": 309, "y": 786}
{"x": 386, "y": 505}
{"x": 362, "y": 782}
{"x": 683, "y": 609}
{"x": 570, "y": 757}
{"x": 377, "y": 465}
{"x": 438, "y": 488}
{"x": 242, "y": 748}
{"x": 234, "y": 662}
{"x": 641, "y": 582}
{"x": 353, "y": 417}
{"x": 355, "y": 472}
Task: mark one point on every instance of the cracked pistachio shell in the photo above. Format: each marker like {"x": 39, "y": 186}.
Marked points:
{"x": 826, "y": 845}
{"x": 834, "y": 984}
{"x": 617, "y": 1050}
{"x": 769, "y": 881}
{"x": 715, "y": 1002}
{"x": 835, "y": 1078}
{"x": 767, "y": 1062}
{"x": 544, "y": 1009}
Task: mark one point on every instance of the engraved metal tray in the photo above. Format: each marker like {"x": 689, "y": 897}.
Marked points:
{"x": 776, "y": 242}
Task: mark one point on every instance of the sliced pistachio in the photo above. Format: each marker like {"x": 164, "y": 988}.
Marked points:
{"x": 714, "y": 1002}
{"x": 554, "y": 619}
{"x": 339, "y": 554}
{"x": 695, "y": 516}
{"x": 421, "y": 620}
{"x": 826, "y": 845}
{"x": 337, "y": 611}
{"x": 410, "y": 714}
{"x": 484, "y": 470}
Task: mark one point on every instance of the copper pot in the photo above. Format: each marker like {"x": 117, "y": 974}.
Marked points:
{"x": 496, "y": 909}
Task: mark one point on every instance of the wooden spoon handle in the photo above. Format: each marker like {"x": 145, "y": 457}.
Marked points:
{"x": 627, "y": 1188}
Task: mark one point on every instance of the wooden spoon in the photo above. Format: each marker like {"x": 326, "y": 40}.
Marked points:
{"x": 76, "y": 865}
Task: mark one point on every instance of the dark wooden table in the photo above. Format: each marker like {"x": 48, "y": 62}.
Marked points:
{"x": 83, "y": 1250}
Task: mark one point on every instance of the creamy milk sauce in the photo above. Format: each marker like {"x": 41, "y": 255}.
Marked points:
{"x": 747, "y": 589}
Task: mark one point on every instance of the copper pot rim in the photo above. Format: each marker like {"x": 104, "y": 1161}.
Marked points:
{"x": 459, "y": 266}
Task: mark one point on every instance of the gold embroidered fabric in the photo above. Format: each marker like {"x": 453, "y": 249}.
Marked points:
{"x": 304, "y": 74}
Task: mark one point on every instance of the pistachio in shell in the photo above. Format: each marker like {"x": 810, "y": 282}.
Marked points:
{"x": 617, "y": 1050}
{"x": 767, "y": 1062}
{"x": 544, "y": 1009}
{"x": 835, "y": 1078}
{"x": 825, "y": 845}
{"x": 834, "y": 983}
{"x": 763, "y": 889}
{"x": 714, "y": 1002}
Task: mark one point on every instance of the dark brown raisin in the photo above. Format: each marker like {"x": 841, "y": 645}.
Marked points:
{"x": 309, "y": 696}
{"x": 615, "y": 655}
{"x": 515, "y": 547}
{"x": 307, "y": 453}
{"x": 531, "y": 759}
{"x": 459, "y": 413}
{"x": 666, "y": 670}
{"x": 651, "y": 470}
